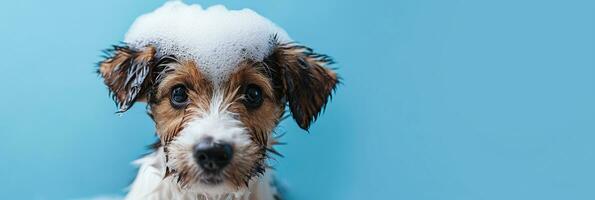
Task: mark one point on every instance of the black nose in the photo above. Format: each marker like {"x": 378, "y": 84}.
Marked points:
{"x": 212, "y": 156}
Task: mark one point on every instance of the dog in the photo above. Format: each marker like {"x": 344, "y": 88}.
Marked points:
{"x": 217, "y": 83}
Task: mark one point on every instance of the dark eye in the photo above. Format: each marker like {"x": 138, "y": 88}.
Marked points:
{"x": 252, "y": 96}
{"x": 179, "y": 97}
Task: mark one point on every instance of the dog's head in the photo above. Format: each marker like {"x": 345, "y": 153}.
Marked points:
{"x": 215, "y": 107}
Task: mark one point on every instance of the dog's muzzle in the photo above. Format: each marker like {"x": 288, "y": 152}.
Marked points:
{"x": 212, "y": 156}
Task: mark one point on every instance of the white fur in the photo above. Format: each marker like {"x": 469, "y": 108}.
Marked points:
{"x": 217, "y": 123}
{"x": 216, "y": 38}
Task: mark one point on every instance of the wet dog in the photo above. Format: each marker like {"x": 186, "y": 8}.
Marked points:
{"x": 217, "y": 83}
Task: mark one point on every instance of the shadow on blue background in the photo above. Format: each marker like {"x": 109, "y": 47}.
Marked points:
{"x": 442, "y": 100}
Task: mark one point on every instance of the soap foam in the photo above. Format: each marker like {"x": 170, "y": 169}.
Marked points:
{"x": 216, "y": 38}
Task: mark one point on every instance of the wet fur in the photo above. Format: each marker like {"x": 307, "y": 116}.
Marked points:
{"x": 292, "y": 75}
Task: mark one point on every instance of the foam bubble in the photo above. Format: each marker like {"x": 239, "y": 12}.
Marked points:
{"x": 216, "y": 38}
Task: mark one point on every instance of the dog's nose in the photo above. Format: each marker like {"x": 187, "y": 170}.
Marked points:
{"x": 212, "y": 156}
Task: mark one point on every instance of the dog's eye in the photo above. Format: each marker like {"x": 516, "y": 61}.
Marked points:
{"x": 252, "y": 96}
{"x": 179, "y": 97}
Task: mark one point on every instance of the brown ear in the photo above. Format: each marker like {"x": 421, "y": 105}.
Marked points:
{"x": 126, "y": 73}
{"x": 307, "y": 82}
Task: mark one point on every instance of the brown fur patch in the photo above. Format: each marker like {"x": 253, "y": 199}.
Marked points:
{"x": 168, "y": 120}
{"x": 260, "y": 121}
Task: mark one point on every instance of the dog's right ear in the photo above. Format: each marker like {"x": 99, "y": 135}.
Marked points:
{"x": 128, "y": 74}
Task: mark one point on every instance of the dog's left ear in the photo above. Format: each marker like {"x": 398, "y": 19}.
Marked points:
{"x": 306, "y": 82}
{"x": 128, "y": 74}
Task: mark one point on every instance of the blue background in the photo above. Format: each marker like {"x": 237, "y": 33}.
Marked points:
{"x": 453, "y": 99}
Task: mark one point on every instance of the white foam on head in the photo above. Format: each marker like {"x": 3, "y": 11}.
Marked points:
{"x": 216, "y": 38}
